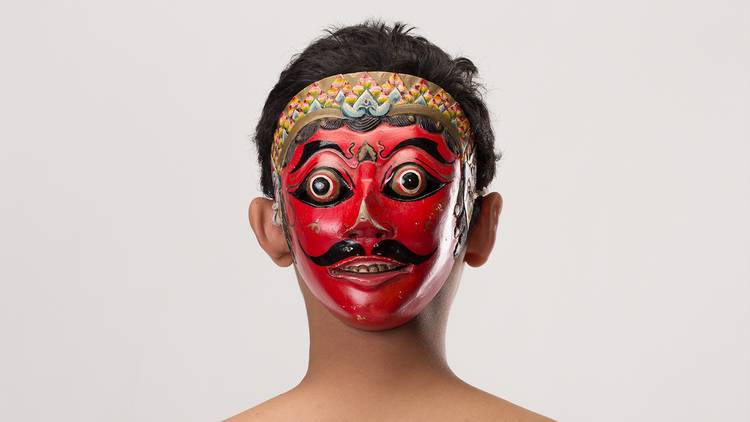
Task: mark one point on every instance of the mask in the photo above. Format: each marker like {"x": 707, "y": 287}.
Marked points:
{"x": 375, "y": 217}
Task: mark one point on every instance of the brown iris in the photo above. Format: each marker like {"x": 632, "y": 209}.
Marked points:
{"x": 409, "y": 182}
{"x": 323, "y": 187}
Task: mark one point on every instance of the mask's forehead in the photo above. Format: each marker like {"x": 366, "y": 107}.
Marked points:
{"x": 384, "y": 139}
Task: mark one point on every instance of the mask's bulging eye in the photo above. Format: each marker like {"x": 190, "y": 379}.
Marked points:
{"x": 410, "y": 182}
{"x": 323, "y": 187}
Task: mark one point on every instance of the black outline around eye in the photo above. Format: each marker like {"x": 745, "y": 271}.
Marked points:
{"x": 432, "y": 184}
{"x": 345, "y": 190}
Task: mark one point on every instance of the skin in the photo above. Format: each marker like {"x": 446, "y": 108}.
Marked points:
{"x": 398, "y": 374}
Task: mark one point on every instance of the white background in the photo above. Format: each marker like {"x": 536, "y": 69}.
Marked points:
{"x": 133, "y": 290}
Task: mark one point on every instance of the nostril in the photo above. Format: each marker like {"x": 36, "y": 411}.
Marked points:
{"x": 352, "y": 235}
{"x": 380, "y": 235}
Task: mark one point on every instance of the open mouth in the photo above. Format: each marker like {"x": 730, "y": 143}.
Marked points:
{"x": 368, "y": 271}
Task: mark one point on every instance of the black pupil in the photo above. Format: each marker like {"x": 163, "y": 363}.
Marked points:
{"x": 320, "y": 186}
{"x": 410, "y": 180}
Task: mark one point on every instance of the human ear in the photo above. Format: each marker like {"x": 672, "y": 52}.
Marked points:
{"x": 270, "y": 236}
{"x": 482, "y": 233}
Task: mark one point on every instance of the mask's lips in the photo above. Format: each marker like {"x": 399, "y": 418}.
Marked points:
{"x": 368, "y": 271}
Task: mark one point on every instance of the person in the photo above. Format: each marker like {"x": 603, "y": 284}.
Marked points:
{"x": 375, "y": 147}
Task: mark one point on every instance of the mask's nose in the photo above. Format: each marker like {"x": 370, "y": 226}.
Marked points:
{"x": 365, "y": 225}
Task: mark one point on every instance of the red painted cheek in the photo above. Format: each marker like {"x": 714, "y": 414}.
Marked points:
{"x": 317, "y": 229}
{"x": 421, "y": 225}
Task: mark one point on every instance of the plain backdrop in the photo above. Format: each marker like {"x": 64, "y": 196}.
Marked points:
{"x": 133, "y": 290}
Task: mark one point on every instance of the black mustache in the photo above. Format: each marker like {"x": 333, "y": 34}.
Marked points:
{"x": 337, "y": 252}
{"x": 388, "y": 248}
{"x": 394, "y": 249}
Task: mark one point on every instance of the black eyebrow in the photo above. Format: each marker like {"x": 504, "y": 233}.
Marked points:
{"x": 427, "y": 145}
{"x": 313, "y": 147}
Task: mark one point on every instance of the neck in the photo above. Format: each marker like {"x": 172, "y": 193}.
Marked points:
{"x": 346, "y": 360}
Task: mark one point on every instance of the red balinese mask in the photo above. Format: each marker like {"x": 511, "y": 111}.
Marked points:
{"x": 375, "y": 217}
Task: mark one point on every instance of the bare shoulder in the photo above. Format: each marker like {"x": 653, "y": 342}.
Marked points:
{"x": 272, "y": 410}
{"x": 480, "y": 405}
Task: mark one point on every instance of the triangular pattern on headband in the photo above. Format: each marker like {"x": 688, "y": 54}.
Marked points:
{"x": 376, "y": 93}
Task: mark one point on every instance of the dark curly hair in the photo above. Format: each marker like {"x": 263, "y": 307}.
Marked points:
{"x": 373, "y": 45}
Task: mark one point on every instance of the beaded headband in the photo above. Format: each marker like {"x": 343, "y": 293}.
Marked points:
{"x": 376, "y": 94}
